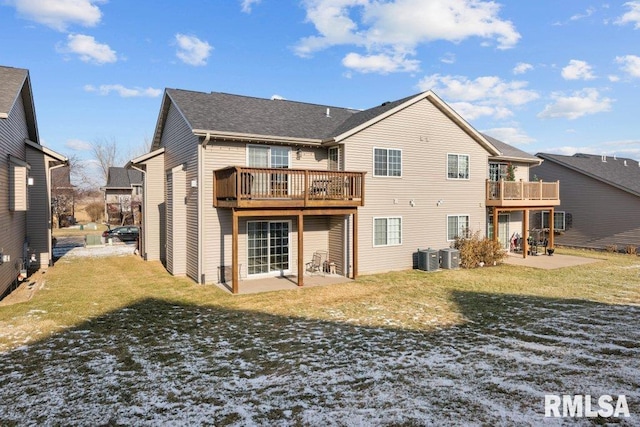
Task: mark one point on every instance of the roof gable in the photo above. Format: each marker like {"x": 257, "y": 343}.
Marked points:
{"x": 119, "y": 178}
{"x": 15, "y": 82}
{"x": 622, "y": 173}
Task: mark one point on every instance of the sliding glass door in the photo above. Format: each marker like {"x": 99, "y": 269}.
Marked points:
{"x": 268, "y": 246}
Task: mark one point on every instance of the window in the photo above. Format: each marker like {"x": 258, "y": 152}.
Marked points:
{"x": 457, "y": 166}
{"x": 558, "y": 220}
{"x": 497, "y": 171}
{"x": 457, "y": 226}
{"x": 334, "y": 158}
{"x": 387, "y": 231}
{"x": 387, "y": 162}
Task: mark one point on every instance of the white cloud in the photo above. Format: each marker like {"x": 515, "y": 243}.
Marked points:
{"x": 613, "y": 78}
{"x": 484, "y": 96}
{"x": 510, "y": 135}
{"x": 395, "y": 28}
{"x": 59, "y": 14}
{"x": 78, "y": 145}
{"x": 522, "y": 67}
{"x": 381, "y": 63}
{"x": 577, "y": 70}
{"x": 192, "y": 50}
{"x": 630, "y": 64}
{"x": 448, "y": 58}
{"x": 632, "y": 16}
{"x": 123, "y": 91}
{"x": 89, "y": 49}
{"x": 578, "y": 104}
{"x": 587, "y": 13}
{"x": 248, "y": 4}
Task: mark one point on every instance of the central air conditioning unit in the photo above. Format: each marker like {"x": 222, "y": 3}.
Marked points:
{"x": 450, "y": 258}
{"x": 428, "y": 260}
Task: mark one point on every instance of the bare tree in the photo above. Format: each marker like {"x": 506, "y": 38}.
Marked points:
{"x": 105, "y": 152}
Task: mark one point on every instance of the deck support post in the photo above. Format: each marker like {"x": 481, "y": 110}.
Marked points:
{"x": 551, "y": 239}
{"x": 355, "y": 245}
{"x": 525, "y": 232}
{"x": 234, "y": 252}
{"x": 301, "y": 249}
{"x": 496, "y": 237}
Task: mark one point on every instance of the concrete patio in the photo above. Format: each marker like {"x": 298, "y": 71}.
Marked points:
{"x": 548, "y": 262}
{"x": 281, "y": 283}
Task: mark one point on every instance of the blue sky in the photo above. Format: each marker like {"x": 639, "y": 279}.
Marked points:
{"x": 545, "y": 76}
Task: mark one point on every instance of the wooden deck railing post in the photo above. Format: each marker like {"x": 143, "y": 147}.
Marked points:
{"x": 502, "y": 190}
{"x": 306, "y": 188}
{"x": 541, "y": 194}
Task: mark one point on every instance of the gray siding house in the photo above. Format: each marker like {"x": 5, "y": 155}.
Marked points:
{"x": 123, "y": 196}
{"x": 239, "y": 187}
{"x": 25, "y": 182}
{"x": 600, "y": 199}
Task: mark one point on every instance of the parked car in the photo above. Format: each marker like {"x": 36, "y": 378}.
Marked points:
{"x": 127, "y": 233}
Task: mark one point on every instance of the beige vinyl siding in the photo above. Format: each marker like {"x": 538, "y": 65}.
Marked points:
{"x": 217, "y": 222}
{"x": 176, "y": 224}
{"x": 154, "y": 222}
{"x": 13, "y": 131}
{"x": 601, "y": 214}
{"x": 316, "y": 236}
{"x": 425, "y": 136}
{"x": 338, "y": 242}
{"x": 181, "y": 150}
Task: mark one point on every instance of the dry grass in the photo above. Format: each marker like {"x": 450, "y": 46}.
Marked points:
{"x": 78, "y": 290}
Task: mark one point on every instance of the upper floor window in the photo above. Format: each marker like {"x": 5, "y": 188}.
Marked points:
{"x": 458, "y": 166}
{"x": 387, "y": 231}
{"x": 498, "y": 171}
{"x": 334, "y": 159}
{"x": 262, "y": 156}
{"x": 387, "y": 162}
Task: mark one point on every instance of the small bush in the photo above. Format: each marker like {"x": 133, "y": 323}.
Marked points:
{"x": 476, "y": 251}
{"x": 631, "y": 249}
{"x": 95, "y": 210}
{"x": 611, "y": 248}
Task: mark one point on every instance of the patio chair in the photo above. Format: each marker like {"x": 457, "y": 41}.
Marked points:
{"x": 316, "y": 265}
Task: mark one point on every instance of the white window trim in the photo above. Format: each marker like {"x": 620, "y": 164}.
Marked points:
{"x": 446, "y": 167}
{"x": 373, "y": 165}
{"x": 457, "y": 216}
{"x": 269, "y": 273}
{"x": 246, "y": 160}
{"x": 373, "y": 234}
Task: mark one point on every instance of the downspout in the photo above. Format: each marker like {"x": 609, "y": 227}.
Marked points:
{"x": 201, "y": 150}
{"x": 144, "y": 209}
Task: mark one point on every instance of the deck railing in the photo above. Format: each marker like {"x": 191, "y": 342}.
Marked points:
{"x": 247, "y": 186}
{"x": 503, "y": 193}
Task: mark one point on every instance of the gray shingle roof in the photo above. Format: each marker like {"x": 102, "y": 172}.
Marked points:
{"x": 11, "y": 81}
{"x": 612, "y": 171}
{"x": 119, "y": 178}
{"x": 511, "y": 152}
{"x": 257, "y": 116}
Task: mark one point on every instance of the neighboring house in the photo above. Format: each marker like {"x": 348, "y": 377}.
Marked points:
{"x": 240, "y": 187}
{"x": 600, "y": 199}
{"x": 123, "y": 196}
{"x": 25, "y": 182}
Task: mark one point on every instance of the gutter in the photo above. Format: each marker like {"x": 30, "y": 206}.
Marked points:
{"x": 201, "y": 149}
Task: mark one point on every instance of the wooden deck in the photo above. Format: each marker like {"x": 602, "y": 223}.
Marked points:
{"x": 260, "y": 188}
{"x": 522, "y": 194}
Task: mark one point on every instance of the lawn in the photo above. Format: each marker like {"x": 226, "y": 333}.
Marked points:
{"x": 117, "y": 341}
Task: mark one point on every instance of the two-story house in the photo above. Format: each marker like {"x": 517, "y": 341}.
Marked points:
{"x": 25, "y": 182}
{"x": 123, "y": 196}
{"x": 257, "y": 186}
